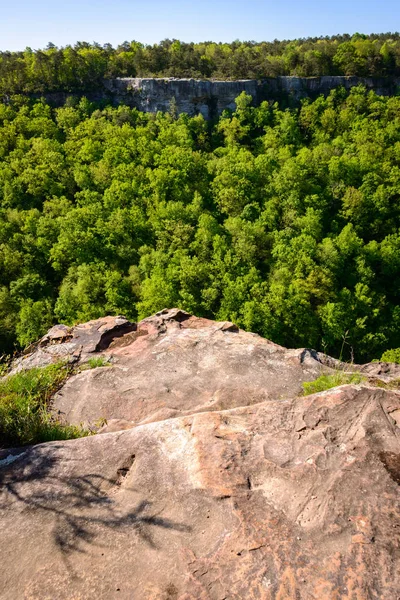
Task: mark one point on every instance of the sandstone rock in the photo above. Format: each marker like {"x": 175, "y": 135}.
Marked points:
{"x": 287, "y": 499}
{"x": 381, "y": 370}
{"x": 210, "y": 97}
{"x": 174, "y": 364}
{"x": 73, "y": 344}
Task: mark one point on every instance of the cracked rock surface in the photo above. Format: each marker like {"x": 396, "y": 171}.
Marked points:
{"x": 73, "y": 344}
{"x": 174, "y": 364}
{"x": 214, "y": 481}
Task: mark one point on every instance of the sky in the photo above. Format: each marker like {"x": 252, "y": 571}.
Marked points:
{"x": 34, "y": 23}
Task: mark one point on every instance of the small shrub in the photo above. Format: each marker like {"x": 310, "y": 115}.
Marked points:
{"x": 24, "y": 407}
{"x": 326, "y": 382}
{"x": 391, "y": 356}
{"x": 100, "y": 423}
{"x": 4, "y": 364}
{"x": 98, "y": 361}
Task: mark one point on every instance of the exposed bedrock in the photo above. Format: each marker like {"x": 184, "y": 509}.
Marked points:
{"x": 176, "y": 364}
{"x": 213, "y": 479}
{"x": 210, "y": 98}
{"x": 283, "y": 500}
{"x": 173, "y": 364}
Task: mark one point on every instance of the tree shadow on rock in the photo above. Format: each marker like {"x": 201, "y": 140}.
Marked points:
{"x": 83, "y": 506}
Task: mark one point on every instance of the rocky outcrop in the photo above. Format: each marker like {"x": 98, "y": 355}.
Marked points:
{"x": 174, "y": 364}
{"x": 286, "y": 499}
{"x": 210, "y": 98}
{"x": 72, "y": 344}
{"x": 249, "y": 491}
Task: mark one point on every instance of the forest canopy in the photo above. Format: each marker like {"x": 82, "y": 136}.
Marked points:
{"x": 83, "y": 66}
{"x": 283, "y": 221}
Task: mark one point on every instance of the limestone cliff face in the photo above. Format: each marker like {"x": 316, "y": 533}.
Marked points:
{"x": 192, "y": 96}
{"x": 210, "y": 98}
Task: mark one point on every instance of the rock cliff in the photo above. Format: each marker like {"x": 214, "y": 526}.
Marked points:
{"x": 210, "y": 98}
{"x": 213, "y": 479}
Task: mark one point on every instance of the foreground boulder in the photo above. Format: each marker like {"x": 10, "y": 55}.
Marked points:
{"x": 175, "y": 364}
{"x": 286, "y": 499}
{"x": 213, "y": 478}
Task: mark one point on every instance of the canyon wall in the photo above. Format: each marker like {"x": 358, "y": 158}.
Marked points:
{"x": 210, "y": 98}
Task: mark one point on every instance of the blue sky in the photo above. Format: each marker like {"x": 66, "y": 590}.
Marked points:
{"x": 34, "y": 23}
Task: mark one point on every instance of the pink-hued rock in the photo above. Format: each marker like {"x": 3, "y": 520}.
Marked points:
{"x": 73, "y": 344}
{"x": 174, "y": 364}
{"x": 294, "y": 499}
{"x": 213, "y": 478}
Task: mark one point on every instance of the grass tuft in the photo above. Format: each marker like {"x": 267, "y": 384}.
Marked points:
{"x": 24, "y": 407}
{"x": 394, "y": 384}
{"x": 326, "y": 382}
{"x": 98, "y": 361}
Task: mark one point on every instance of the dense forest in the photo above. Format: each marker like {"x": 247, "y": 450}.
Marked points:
{"x": 283, "y": 221}
{"x": 84, "y": 66}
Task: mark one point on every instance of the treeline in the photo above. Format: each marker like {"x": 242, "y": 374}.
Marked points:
{"x": 84, "y": 66}
{"x": 285, "y": 222}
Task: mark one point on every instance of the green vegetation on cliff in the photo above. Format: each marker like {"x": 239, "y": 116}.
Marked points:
{"x": 84, "y": 66}
{"x": 25, "y": 417}
{"x": 327, "y": 382}
{"x": 286, "y": 222}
